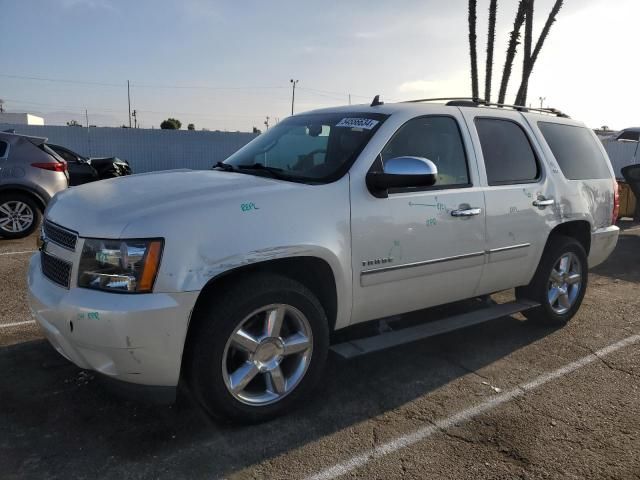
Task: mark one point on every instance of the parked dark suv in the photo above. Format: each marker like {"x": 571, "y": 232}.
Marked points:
{"x": 30, "y": 175}
{"x": 84, "y": 170}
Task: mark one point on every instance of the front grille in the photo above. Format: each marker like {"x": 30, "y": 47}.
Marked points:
{"x": 63, "y": 237}
{"x": 56, "y": 270}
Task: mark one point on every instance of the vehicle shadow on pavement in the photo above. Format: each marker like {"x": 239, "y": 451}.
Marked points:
{"x": 623, "y": 264}
{"x": 57, "y": 420}
{"x": 60, "y": 420}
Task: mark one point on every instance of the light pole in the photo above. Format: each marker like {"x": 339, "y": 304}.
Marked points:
{"x": 542, "y": 99}
{"x": 293, "y": 93}
{"x": 266, "y": 122}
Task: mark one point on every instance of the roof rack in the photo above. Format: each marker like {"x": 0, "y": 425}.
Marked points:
{"x": 479, "y": 102}
{"x": 522, "y": 108}
{"x": 420, "y": 100}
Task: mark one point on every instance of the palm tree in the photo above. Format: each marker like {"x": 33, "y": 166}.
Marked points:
{"x": 521, "y": 98}
{"x": 472, "y": 47}
{"x": 514, "y": 38}
{"x": 491, "y": 37}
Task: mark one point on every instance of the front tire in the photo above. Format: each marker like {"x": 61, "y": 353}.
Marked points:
{"x": 559, "y": 284}
{"x": 19, "y": 216}
{"x": 258, "y": 348}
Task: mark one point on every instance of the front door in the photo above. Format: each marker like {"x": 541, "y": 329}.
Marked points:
{"x": 419, "y": 247}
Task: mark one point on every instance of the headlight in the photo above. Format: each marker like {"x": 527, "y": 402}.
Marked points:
{"x": 119, "y": 265}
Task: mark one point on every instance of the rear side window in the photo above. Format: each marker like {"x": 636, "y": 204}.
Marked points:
{"x": 629, "y": 136}
{"x": 4, "y": 146}
{"x": 576, "y": 151}
{"x": 508, "y": 156}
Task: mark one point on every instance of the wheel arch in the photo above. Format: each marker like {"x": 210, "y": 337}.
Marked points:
{"x": 579, "y": 230}
{"x": 22, "y": 190}
{"x": 313, "y": 272}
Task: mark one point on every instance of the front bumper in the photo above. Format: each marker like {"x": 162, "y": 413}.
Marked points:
{"x": 603, "y": 242}
{"x": 137, "y": 338}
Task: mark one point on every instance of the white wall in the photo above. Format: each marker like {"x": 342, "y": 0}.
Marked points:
{"x": 146, "y": 150}
{"x": 21, "y": 119}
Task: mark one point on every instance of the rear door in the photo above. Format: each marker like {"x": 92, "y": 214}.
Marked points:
{"x": 519, "y": 198}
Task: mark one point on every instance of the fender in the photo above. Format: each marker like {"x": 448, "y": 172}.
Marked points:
{"x": 214, "y": 269}
{"x": 41, "y": 197}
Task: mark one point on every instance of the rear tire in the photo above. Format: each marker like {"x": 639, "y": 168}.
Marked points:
{"x": 559, "y": 284}
{"x": 19, "y": 216}
{"x": 269, "y": 327}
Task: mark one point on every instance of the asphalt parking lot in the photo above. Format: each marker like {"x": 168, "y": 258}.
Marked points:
{"x": 507, "y": 399}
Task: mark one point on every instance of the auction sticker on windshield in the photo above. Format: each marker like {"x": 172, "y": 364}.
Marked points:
{"x": 365, "y": 123}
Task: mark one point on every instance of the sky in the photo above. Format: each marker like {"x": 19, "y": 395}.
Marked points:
{"x": 227, "y": 65}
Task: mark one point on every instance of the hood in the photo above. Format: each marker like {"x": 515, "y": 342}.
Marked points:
{"x": 105, "y": 208}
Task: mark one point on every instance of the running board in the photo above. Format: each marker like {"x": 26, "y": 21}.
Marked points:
{"x": 362, "y": 346}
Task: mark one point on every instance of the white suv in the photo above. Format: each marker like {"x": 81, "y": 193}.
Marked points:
{"x": 234, "y": 279}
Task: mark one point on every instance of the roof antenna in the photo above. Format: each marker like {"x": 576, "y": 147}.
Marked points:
{"x": 376, "y": 101}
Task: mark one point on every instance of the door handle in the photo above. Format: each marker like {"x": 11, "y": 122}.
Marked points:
{"x": 467, "y": 212}
{"x": 543, "y": 202}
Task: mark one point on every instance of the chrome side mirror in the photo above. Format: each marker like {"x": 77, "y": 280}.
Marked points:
{"x": 402, "y": 172}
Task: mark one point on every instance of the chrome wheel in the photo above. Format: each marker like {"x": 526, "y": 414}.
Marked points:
{"x": 565, "y": 283}
{"x": 267, "y": 355}
{"x": 15, "y": 216}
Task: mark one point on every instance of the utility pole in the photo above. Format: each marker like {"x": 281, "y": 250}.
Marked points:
{"x": 86, "y": 117}
{"x": 293, "y": 93}
{"x": 349, "y": 99}
{"x": 542, "y": 99}
{"x": 129, "y": 100}
{"x": 134, "y": 114}
{"x": 266, "y": 122}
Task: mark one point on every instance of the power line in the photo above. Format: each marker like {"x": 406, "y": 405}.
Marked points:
{"x": 182, "y": 87}
{"x": 57, "y": 80}
{"x": 124, "y": 111}
{"x": 142, "y": 85}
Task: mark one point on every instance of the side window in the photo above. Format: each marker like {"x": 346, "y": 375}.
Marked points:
{"x": 629, "y": 136}
{"x": 508, "y": 156}
{"x": 4, "y": 146}
{"x": 437, "y": 139}
{"x": 575, "y": 150}
{"x": 68, "y": 157}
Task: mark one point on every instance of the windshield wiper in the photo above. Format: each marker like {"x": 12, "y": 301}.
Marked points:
{"x": 273, "y": 171}
{"x": 227, "y": 167}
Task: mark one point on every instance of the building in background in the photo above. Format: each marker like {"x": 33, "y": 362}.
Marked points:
{"x": 21, "y": 119}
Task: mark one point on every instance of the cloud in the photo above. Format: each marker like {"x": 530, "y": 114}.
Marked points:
{"x": 454, "y": 85}
{"x": 417, "y": 86}
{"x": 366, "y": 35}
{"x": 92, "y": 4}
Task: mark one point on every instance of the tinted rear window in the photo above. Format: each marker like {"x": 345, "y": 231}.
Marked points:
{"x": 508, "y": 156}
{"x": 576, "y": 151}
{"x": 3, "y": 149}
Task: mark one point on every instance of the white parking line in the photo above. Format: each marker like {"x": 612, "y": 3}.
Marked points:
{"x": 16, "y": 324}
{"x": 17, "y": 253}
{"x": 465, "y": 415}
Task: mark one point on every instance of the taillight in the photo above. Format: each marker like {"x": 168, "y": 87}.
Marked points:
{"x": 616, "y": 202}
{"x": 54, "y": 167}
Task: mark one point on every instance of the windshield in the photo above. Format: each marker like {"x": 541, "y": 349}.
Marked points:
{"x": 317, "y": 148}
